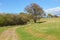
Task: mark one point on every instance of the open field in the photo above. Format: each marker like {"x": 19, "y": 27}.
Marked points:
{"x": 45, "y": 29}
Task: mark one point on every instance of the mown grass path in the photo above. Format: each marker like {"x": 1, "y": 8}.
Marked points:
{"x": 9, "y": 34}
{"x": 3, "y": 29}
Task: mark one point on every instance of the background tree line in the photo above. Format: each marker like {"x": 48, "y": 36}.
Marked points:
{"x": 52, "y": 16}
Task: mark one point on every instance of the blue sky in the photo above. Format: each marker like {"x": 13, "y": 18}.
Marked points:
{"x": 17, "y": 6}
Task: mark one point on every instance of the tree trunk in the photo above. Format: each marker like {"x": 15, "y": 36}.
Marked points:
{"x": 35, "y": 19}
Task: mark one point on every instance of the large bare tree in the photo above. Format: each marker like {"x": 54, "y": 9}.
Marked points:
{"x": 35, "y": 10}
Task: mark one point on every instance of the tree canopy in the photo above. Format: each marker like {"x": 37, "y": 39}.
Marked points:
{"x": 35, "y": 10}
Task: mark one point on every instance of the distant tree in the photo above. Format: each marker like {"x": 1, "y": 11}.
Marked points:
{"x": 35, "y": 10}
{"x": 50, "y": 15}
{"x": 56, "y": 16}
{"x": 22, "y": 13}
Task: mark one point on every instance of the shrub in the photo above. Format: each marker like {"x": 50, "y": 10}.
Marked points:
{"x": 13, "y": 19}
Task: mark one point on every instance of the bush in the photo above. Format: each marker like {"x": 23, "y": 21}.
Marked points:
{"x": 12, "y": 19}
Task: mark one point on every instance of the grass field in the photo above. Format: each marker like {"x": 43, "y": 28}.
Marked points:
{"x": 46, "y": 29}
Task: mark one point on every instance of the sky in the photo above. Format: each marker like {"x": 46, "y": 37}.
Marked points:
{"x": 17, "y": 6}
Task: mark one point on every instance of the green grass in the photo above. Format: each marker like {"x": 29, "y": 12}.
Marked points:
{"x": 2, "y": 29}
{"x": 50, "y": 27}
{"x": 26, "y": 36}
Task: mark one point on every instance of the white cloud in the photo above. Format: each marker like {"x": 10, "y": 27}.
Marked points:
{"x": 55, "y": 11}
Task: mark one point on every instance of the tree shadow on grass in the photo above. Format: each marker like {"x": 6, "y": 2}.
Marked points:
{"x": 41, "y": 22}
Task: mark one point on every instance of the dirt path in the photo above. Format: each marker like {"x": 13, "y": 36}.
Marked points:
{"x": 9, "y": 34}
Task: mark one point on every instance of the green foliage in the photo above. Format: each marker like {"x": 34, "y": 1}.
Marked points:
{"x": 35, "y": 10}
{"x": 50, "y": 15}
{"x": 13, "y": 19}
